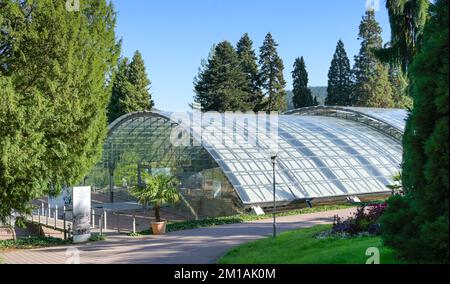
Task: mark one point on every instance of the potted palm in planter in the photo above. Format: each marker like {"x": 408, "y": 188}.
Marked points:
{"x": 157, "y": 190}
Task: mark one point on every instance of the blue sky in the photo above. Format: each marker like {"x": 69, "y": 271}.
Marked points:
{"x": 175, "y": 35}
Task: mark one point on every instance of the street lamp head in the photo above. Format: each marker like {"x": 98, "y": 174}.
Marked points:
{"x": 274, "y": 159}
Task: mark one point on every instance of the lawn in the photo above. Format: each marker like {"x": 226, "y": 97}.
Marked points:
{"x": 302, "y": 247}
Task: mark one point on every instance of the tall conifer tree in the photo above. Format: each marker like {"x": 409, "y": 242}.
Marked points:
{"x": 130, "y": 88}
{"x": 221, "y": 85}
{"x": 249, "y": 65}
{"x": 372, "y": 86}
{"x": 340, "y": 84}
{"x": 302, "y": 94}
{"x": 271, "y": 75}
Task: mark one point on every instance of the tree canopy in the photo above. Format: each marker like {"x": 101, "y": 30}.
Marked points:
{"x": 340, "y": 84}
{"x": 302, "y": 94}
{"x": 130, "y": 88}
{"x": 372, "y": 86}
{"x": 54, "y": 71}
{"x": 221, "y": 84}
{"x": 271, "y": 74}
{"x": 417, "y": 223}
{"x": 249, "y": 65}
{"x": 407, "y": 19}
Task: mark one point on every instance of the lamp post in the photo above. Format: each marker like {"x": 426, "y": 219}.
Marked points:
{"x": 274, "y": 162}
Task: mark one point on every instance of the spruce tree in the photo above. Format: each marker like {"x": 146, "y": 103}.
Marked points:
{"x": 121, "y": 86}
{"x": 372, "y": 86}
{"x": 340, "y": 84}
{"x": 55, "y": 66}
{"x": 417, "y": 224}
{"x": 271, "y": 75}
{"x": 130, "y": 90}
{"x": 249, "y": 65}
{"x": 141, "y": 98}
{"x": 221, "y": 84}
{"x": 302, "y": 94}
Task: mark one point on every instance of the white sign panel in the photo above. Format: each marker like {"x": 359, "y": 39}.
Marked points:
{"x": 81, "y": 200}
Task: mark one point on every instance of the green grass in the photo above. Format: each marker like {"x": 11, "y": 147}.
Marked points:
{"x": 32, "y": 242}
{"x": 302, "y": 247}
{"x": 210, "y": 222}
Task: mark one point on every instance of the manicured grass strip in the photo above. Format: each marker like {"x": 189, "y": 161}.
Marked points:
{"x": 32, "y": 242}
{"x": 210, "y": 222}
{"x": 302, "y": 247}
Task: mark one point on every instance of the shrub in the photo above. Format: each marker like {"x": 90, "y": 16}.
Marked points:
{"x": 365, "y": 220}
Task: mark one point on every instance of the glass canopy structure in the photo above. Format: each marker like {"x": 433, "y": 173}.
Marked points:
{"x": 222, "y": 161}
{"x": 389, "y": 121}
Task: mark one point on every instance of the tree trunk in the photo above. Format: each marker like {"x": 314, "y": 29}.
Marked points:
{"x": 157, "y": 213}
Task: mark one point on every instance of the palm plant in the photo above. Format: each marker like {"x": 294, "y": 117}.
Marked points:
{"x": 156, "y": 190}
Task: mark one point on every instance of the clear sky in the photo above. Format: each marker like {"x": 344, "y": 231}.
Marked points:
{"x": 175, "y": 35}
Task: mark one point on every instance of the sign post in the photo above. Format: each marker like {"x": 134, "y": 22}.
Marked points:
{"x": 81, "y": 199}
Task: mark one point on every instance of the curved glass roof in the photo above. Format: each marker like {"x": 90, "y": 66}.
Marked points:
{"x": 395, "y": 117}
{"x": 317, "y": 156}
{"x": 389, "y": 121}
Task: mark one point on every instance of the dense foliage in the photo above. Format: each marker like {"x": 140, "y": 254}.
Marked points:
{"x": 221, "y": 84}
{"x": 54, "y": 70}
{"x": 130, "y": 88}
{"x": 417, "y": 224}
{"x": 271, "y": 75}
{"x": 249, "y": 65}
{"x": 340, "y": 84}
{"x": 407, "y": 19}
{"x": 372, "y": 85}
{"x": 302, "y": 94}
{"x": 364, "y": 221}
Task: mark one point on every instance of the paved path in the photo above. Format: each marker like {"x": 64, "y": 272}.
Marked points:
{"x": 198, "y": 246}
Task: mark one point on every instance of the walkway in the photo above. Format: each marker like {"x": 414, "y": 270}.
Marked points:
{"x": 198, "y": 246}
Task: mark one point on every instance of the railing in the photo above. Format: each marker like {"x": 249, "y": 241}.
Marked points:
{"x": 348, "y": 114}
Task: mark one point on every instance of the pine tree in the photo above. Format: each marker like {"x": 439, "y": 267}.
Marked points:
{"x": 302, "y": 94}
{"x": 249, "y": 65}
{"x": 54, "y": 74}
{"x": 221, "y": 84}
{"x": 372, "y": 86}
{"x": 271, "y": 75}
{"x": 130, "y": 91}
{"x": 340, "y": 84}
{"x": 417, "y": 224}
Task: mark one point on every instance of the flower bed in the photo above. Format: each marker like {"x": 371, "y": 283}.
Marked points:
{"x": 364, "y": 222}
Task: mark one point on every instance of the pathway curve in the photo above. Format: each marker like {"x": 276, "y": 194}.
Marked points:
{"x": 197, "y": 246}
